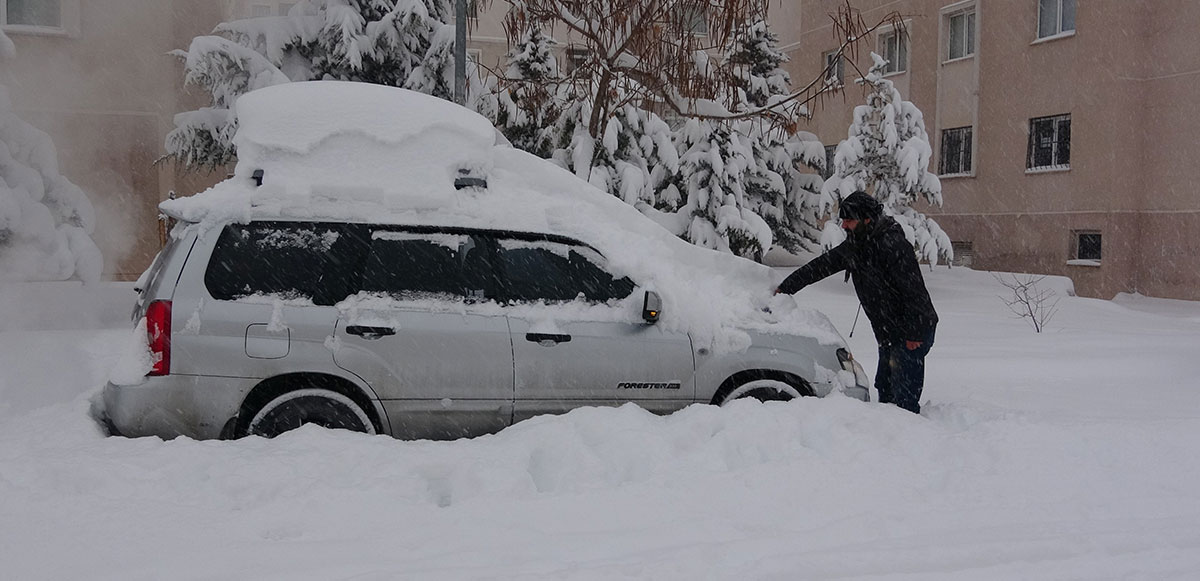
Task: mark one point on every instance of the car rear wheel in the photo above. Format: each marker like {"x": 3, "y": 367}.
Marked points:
{"x": 325, "y": 408}
{"x": 763, "y": 390}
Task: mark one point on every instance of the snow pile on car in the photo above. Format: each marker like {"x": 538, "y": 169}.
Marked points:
{"x": 360, "y": 152}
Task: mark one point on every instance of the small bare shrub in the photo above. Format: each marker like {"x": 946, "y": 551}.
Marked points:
{"x": 1029, "y": 300}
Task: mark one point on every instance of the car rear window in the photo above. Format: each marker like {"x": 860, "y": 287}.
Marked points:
{"x": 315, "y": 261}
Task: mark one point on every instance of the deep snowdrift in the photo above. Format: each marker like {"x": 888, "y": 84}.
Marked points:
{"x": 1064, "y": 455}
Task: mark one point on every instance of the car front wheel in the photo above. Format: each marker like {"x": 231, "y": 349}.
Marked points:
{"x": 763, "y": 390}
{"x": 325, "y": 408}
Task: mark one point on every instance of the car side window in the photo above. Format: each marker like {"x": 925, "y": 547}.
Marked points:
{"x": 427, "y": 265}
{"x": 552, "y": 271}
{"x": 295, "y": 260}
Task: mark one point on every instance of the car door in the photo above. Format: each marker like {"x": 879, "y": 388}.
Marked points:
{"x": 424, "y": 335}
{"x": 578, "y": 337}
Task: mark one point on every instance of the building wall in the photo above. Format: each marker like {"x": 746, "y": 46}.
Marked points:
{"x": 106, "y": 91}
{"x": 1128, "y": 77}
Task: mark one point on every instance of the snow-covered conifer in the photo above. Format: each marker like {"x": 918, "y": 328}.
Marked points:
{"x": 46, "y": 222}
{"x": 781, "y": 186}
{"x": 887, "y": 154}
{"x": 757, "y": 65}
{"x": 401, "y": 43}
{"x": 713, "y": 169}
{"x": 526, "y": 109}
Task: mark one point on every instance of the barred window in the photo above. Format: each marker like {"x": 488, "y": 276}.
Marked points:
{"x": 956, "y": 151}
{"x": 1049, "y": 142}
{"x": 1086, "y": 245}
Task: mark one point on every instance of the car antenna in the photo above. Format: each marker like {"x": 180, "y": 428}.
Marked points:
{"x": 855, "y": 319}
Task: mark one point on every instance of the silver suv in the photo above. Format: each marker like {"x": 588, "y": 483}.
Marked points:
{"x": 420, "y": 332}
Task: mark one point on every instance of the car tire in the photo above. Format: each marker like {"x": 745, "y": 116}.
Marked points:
{"x": 763, "y": 390}
{"x": 325, "y": 408}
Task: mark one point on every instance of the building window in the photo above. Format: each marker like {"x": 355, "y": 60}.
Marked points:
{"x": 964, "y": 253}
{"x": 956, "y": 151}
{"x": 835, "y": 68}
{"x": 284, "y": 7}
{"x": 1085, "y": 245}
{"x": 473, "y": 9}
{"x": 961, "y": 37}
{"x": 830, "y": 153}
{"x": 34, "y": 13}
{"x": 894, "y": 48}
{"x": 1055, "y": 17}
{"x": 695, "y": 20}
{"x": 576, "y": 57}
{"x": 1049, "y": 142}
{"x": 475, "y": 55}
{"x": 259, "y": 10}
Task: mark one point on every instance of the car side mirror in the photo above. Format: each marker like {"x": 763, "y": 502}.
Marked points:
{"x": 651, "y": 307}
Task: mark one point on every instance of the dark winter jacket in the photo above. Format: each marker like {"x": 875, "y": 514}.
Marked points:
{"x": 886, "y": 277}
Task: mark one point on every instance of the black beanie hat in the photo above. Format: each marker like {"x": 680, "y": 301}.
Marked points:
{"x": 860, "y": 206}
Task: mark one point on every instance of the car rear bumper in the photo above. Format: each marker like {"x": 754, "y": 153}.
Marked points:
{"x": 173, "y": 405}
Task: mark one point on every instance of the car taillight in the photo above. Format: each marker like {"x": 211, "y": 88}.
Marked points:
{"x": 158, "y": 330}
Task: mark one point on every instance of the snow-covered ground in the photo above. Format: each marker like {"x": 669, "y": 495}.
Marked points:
{"x": 1070, "y": 454}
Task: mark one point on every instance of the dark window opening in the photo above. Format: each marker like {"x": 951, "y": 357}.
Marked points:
{"x": 956, "y": 151}
{"x": 320, "y": 262}
{"x": 1049, "y": 142}
{"x": 543, "y": 270}
{"x": 1087, "y": 245}
{"x": 830, "y": 153}
{"x": 410, "y": 265}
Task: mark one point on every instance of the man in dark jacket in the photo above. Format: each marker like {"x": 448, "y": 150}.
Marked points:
{"x": 891, "y": 289}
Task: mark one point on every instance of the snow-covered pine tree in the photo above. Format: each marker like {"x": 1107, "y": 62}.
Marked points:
{"x": 713, "y": 169}
{"x": 46, "y": 222}
{"x": 401, "y": 43}
{"x": 887, "y": 154}
{"x": 525, "y": 108}
{"x": 778, "y": 189}
{"x": 621, "y": 161}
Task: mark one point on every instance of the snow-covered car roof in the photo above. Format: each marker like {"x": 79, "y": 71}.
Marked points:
{"x": 342, "y": 151}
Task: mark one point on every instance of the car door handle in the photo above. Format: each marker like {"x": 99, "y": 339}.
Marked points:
{"x": 547, "y": 338}
{"x": 370, "y": 332}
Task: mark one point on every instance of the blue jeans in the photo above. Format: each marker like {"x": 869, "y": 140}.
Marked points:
{"x": 901, "y": 374}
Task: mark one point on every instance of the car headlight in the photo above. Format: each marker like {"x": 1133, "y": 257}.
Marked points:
{"x": 846, "y": 359}
{"x": 849, "y": 364}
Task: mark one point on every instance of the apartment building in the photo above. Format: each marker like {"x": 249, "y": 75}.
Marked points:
{"x": 1062, "y": 130}
{"x": 96, "y": 76}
